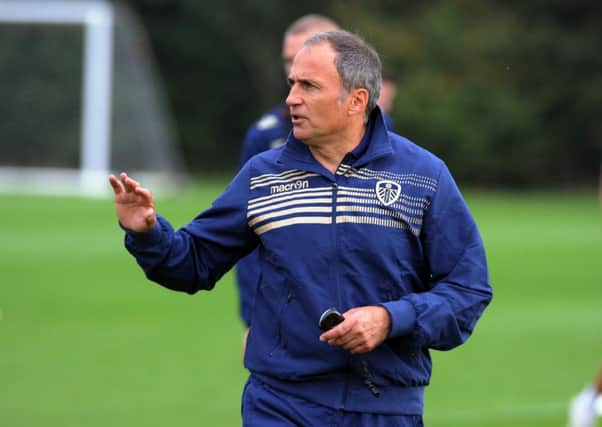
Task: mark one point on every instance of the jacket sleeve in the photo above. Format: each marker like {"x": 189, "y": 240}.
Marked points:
{"x": 444, "y": 315}
{"x": 199, "y": 254}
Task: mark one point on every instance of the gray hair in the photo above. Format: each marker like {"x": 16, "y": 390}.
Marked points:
{"x": 356, "y": 61}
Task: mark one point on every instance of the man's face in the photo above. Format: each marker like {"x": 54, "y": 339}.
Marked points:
{"x": 291, "y": 45}
{"x": 317, "y": 101}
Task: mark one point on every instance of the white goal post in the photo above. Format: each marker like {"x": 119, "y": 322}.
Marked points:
{"x": 97, "y": 17}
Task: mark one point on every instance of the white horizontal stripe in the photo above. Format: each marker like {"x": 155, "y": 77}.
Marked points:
{"x": 374, "y": 202}
{"x": 409, "y": 207}
{"x": 417, "y": 183}
{"x": 371, "y": 195}
{"x": 275, "y": 181}
{"x": 275, "y": 175}
{"x": 409, "y": 210}
{"x": 276, "y": 206}
{"x": 365, "y": 200}
{"x": 288, "y": 175}
{"x": 412, "y": 179}
{"x": 417, "y": 202}
{"x": 356, "y": 189}
{"x": 293, "y": 221}
{"x": 306, "y": 209}
{"x": 406, "y": 176}
{"x": 370, "y": 220}
{"x": 380, "y": 211}
{"x": 307, "y": 192}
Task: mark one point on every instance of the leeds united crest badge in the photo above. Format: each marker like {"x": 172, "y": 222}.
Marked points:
{"x": 387, "y": 192}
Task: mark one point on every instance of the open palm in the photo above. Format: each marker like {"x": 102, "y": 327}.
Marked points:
{"x": 134, "y": 205}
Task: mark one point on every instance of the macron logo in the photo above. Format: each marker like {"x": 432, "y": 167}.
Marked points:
{"x": 282, "y": 188}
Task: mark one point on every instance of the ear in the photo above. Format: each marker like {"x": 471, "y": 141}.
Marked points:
{"x": 358, "y": 101}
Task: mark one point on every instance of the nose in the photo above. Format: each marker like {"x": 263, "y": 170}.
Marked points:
{"x": 293, "y": 98}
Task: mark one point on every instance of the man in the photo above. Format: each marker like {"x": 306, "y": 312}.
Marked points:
{"x": 344, "y": 215}
{"x": 270, "y": 131}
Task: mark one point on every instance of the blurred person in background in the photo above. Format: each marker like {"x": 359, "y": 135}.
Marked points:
{"x": 586, "y": 406}
{"x": 388, "y": 91}
{"x": 346, "y": 214}
{"x": 270, "y": 131}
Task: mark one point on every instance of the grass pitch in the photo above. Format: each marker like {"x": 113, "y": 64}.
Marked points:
{"x": 85, "y": 340}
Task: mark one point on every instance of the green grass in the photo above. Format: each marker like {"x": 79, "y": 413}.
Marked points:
{"x": 85, "y": 340}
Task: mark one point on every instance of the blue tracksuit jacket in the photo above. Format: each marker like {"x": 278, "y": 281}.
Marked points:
{"x": 389, "y": 228}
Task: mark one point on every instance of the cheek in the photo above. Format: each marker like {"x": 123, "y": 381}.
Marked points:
{"x": 329, "y": 108}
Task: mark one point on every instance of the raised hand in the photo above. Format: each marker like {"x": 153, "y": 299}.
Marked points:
{"x": 134, "y": 205}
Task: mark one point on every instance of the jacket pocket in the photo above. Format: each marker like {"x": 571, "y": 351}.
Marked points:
{"x": 407, "y": 365}
{"x": 274, "y": 294}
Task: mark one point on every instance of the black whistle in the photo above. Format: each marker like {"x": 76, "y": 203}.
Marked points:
{"x": 329, "y": 319}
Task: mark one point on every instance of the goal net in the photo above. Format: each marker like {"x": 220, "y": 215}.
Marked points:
{"x": 80, "y": 99}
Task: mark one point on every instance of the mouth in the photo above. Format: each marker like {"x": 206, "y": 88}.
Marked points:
{"x": 297, "y": 119}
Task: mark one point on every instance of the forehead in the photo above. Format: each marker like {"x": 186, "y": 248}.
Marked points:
{"x": 316, "y": 61}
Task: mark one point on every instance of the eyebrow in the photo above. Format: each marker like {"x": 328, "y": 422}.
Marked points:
{"x": 291, "y": 81}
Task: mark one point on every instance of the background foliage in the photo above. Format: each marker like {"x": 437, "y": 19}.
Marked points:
{"x": 507, "y": 92}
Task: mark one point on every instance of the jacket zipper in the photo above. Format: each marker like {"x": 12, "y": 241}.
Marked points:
{"x": 335, "y": 240}
{"x": 365, "y": 372}
{"x": 335, "y": 189}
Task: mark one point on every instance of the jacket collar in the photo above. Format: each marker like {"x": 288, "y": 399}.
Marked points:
{"x": 374, "y": 144}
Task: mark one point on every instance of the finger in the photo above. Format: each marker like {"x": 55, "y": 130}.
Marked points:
{"x": 145, "y": 194}
{"x": 340, "y": 335}
{"x": 133, "y": 182}
{"x": 116, "y": 184}
{"x": 353, "y": 346}
{"x": 346, "y": 341}
{"x": 129, "y": 183}
{"x": 336, "y": 332}
{"x": 124, "y": 181}
{"x": 353, "y": 337}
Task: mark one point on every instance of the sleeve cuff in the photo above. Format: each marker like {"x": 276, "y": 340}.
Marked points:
{"x": 403, "y": 317}
{"x": 150, "y": 238}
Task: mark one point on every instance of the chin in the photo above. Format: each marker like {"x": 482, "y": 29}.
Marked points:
{"x": 299, "y": 134}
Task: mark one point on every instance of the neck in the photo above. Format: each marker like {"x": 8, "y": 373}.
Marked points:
{"x": 331, "y": 151}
